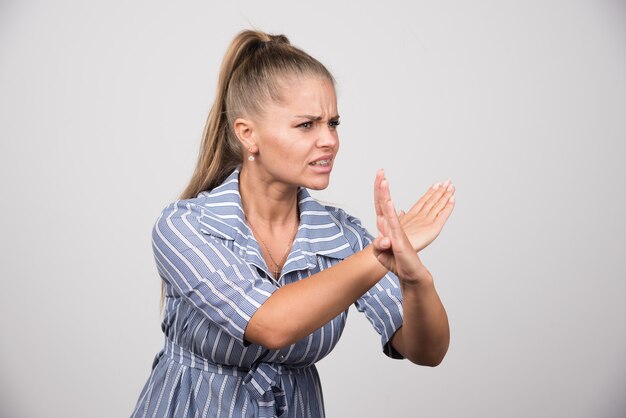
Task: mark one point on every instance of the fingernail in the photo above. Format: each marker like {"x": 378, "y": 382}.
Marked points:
{"x": 436, "y": 186}
{"x": 446, "y": 183}
{"x": 451, "y": 199}
{"x": 450, "y": 187}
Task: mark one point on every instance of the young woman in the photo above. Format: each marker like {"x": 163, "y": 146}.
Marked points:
{"x": 258, "y": 276}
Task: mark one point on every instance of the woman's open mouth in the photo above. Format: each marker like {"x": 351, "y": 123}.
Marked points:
{"x": 322, "y": 163}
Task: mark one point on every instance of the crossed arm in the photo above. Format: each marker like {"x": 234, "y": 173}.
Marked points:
{"x": 294, "y": 311}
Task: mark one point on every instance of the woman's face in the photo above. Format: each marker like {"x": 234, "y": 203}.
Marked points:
{"x": 297, "y": 139}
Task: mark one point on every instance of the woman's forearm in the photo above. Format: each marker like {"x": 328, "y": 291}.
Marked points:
{"x": 424, "y": 335}
{"x": 296, "y": 310}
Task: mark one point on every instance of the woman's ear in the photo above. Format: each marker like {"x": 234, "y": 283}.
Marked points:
{"x": 244, "y": 130}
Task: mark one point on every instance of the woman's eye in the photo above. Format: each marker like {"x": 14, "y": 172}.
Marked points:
{"x": 334, "y": 123}
{"x": 305, "y": 125}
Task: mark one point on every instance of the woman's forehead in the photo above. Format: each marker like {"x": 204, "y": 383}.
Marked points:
{"x": 308, "y": 96}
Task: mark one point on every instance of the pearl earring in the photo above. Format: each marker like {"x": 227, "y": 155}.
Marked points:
{"x": 251, "y": 157}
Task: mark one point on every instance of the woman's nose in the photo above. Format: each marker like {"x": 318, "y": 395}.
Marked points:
{"x": 327, "y": 138}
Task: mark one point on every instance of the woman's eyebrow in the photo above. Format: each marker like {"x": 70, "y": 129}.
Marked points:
{"x": 315, "y": 118}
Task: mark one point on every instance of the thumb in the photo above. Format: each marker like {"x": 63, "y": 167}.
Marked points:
{"x": 381, "y": 243}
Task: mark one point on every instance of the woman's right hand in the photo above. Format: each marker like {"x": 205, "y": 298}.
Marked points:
{"x": 426, "y": 218}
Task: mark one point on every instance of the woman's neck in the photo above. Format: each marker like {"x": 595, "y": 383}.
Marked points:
{"x": 266, "y": 201}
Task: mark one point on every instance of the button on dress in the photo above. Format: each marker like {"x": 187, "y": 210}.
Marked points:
{"x": 215, "y": 279}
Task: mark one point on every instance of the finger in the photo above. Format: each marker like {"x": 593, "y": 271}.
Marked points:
{"x": 385, "y": 192}
{"x": 444, "y": 214}
{"x": 400, "y": 214}
{"x": 396, "y": 233}
{"x": 393, "y": 216}
{"x": 377, "y": 180}
{"x": 381, "y": 243}
{"x": 380, "y": 224}
{"x": 383, "y": 226}
{"x": 384, "y": 196}
{"x": 441, "y": 203}
{"x": 378, "y": 199}
{"x": 417, "y": 207}
{"x": 434, "y": 198}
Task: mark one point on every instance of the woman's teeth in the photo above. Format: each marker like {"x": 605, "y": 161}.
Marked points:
{"x": 321, "y": 162}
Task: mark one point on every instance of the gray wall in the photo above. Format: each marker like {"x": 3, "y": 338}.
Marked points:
{"x": 521, "y": 103}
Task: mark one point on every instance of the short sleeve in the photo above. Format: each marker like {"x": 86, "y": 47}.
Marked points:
{"x": 206, "y": 273}
{"x": 382, "y": 304}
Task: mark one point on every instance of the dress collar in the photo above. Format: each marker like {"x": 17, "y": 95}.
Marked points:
{"x": 320, "y": 232}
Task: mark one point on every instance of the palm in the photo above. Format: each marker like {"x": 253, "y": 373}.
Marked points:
{"x": 402, "y": 236}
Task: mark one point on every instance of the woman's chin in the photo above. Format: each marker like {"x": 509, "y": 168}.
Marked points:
{"x": 318, "y": 184}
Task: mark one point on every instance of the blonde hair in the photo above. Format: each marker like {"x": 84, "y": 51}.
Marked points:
{"x": 250, "y": 75}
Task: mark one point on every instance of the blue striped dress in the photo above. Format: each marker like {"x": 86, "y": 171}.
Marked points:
{"x": 215, "y": 279}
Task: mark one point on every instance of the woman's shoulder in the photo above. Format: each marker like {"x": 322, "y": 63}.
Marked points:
{"x": 342, "y": 215}
{"x": 219, "y": 218}
{"x": 351, "y": 225}
{"x": 184, "y": 207}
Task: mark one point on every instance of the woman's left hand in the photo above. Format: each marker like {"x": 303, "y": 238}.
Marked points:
{"x": 392, "y": 247}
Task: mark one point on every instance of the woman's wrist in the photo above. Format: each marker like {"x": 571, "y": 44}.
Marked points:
{"x": 419, "y": 277}
{"x": 379, "y": 269}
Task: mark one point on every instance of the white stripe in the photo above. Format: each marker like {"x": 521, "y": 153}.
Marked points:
{"x": 217, "y": 231}
{"x": 220, "y": 396}
{"x": 229, "y": 350}
{"x": 387, "y": 312}
{"x": 308, "y": 345}
{"x": 179, "y": 377}
{"x": 223, "y": 193}
{"x": 291, "y": 260}
{"x": 208, "y": 398}
{"x": 216, "y": 343}
{"x": 390, "y": 280}
{"x": 232, "y": 401}
{"x": 256, "y": 386}
{"x": 167, "y": 375}
{"x": 397, "y": 302}
{"x": 357, "y": 235}
{"x": 220, "y": 204}
{"x": 301, "y": 402}
{"x": 321, "y": 239}
{"x": 314, "y": 213}
{"x": 341, "y": 247}
{"x": 374, "y": 323}
{"x": 244, "y": 294}
{"x": 223, "y": 185}
{"x": 315, "y": 226}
